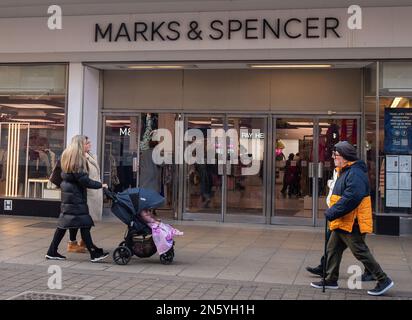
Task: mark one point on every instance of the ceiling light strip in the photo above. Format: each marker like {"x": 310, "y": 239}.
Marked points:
{"x": 289, "y": 66}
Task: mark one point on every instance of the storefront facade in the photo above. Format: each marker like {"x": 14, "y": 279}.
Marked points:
{"x": 287, "y": 84}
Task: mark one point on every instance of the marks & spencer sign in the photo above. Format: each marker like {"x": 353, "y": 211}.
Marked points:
{"x": 218, "y": 29}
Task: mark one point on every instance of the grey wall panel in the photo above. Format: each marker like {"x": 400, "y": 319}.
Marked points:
{"x": 235, "y": 90}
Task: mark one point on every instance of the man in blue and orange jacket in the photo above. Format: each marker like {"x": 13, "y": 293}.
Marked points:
{"x": 350, "y": 219}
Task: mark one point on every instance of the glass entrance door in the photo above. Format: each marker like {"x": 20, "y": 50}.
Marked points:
{"x": 224, "y": 168}
{"x": 303, "y": 166}
{"x": 245, "y": 174}
{"x": 293, "y": 160}
{"x": 203, "y": 174}
{"x": 121, "y": 145}
{"x": 130, "y": 145}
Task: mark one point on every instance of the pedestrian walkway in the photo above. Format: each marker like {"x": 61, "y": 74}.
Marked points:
{"x": 213, "y": 261}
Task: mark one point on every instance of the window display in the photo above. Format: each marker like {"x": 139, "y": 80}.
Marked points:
{"x": 32, "y": 129}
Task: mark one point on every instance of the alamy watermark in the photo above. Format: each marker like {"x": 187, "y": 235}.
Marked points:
{"x": 55, "y": 280}
{"x": 242, "y": 147}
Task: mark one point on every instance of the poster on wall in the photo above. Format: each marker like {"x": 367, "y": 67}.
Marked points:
{"x": 398, "y": 131}
{"x": 392, "y": 198}
{"x": 405, "y": 198}
{"x": 392, "y": 163}
{"x": 405, "y": 164}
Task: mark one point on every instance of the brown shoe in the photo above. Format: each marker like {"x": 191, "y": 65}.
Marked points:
{"x": 82, "y": 244}
{"x": 74, "y": 247}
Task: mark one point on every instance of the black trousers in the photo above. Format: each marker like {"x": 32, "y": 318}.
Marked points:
{"x": 59, "y": 234}
{"x": 73, "y": 234}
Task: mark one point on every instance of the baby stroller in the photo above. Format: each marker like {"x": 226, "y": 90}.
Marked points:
{"x": 138, "y": 240}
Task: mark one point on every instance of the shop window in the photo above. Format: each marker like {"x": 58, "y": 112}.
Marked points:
{"x": 395, "y": 155}
{"x": 32, "y": 127}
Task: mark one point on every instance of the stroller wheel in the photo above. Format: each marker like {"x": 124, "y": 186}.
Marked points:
{"x": 121, "y": 244}
{"x": 167, "y": 257}
{"x": 122, "y": 255}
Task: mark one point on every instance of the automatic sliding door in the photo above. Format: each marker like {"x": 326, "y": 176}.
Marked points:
{"x": 245, "y": 187}
{"x": 203, "y": 175}
{"x": 294, "y": 168}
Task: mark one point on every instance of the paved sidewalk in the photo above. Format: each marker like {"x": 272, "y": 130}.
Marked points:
{"x": 213, "y": 261}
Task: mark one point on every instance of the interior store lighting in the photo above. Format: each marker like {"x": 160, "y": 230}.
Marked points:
{"x": 400, "y": 90}
{"x": 33, "y": 120}
{"x": 149, "y": 67}
{"x": 29, "y": 106}
{"x": 289, "y": 66}
{"x": 292, "y": 123}
{"x": 395, "y": 102}
{"x": 12, "y": 170}
{"x": 118, "y": 121}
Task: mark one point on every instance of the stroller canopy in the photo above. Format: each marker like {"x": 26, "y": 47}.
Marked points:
{"x": 129, "y": 203}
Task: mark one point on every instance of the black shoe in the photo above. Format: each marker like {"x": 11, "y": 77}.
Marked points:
{"x": 97, "y": 255}
{"x": 381, "y": 287}
{"x": 328, "y": 284}
{"x": 316, "y": 271}
{"x": 55, "y": 256}
{"x": 367, "y": 277}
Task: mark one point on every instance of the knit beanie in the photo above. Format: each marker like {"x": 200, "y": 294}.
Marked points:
{"x": 346, "y": 150}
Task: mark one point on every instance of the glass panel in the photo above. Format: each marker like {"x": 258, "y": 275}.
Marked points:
{"x": 331, "y": 132}
{"x": 203, "y": 190}
{"x": 159, "y": 175}
{"x": 120, "y": 146}
{"x": 245, "y": 189}
{"x": 395, "y": 78}
{"x": 35, "y": 97}
{"x": 395, "y": 139}
{"x": 294, "y": 167}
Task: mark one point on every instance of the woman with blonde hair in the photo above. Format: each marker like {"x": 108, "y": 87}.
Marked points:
{"x": 74, "y": 210}
{"x": 94, "y": 198}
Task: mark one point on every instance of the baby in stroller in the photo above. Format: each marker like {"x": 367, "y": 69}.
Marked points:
{"x": 146, "y": 234}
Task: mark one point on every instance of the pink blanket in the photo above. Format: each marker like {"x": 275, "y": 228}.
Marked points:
{"x": 163, "y": 235}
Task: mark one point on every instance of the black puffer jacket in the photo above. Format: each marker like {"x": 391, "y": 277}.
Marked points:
{"x": 74, "y": 209}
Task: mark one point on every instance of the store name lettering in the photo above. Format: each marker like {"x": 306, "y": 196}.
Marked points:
{"x": 250, "y": 135}
{"x": 249, "y": 29}
{"x": 125, "y": 131}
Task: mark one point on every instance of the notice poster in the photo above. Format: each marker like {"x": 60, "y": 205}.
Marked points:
{"x": 392, "y": 164}
{"x": 398, "y": 131}
{"x": 392, "y": 198}
{"x": 405, "y": 198}
{"x": 392, "y": 180}
{"x": 398, "y": 181}
{"x": 405, "y": 180}
{"x": 405, "y": 163}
